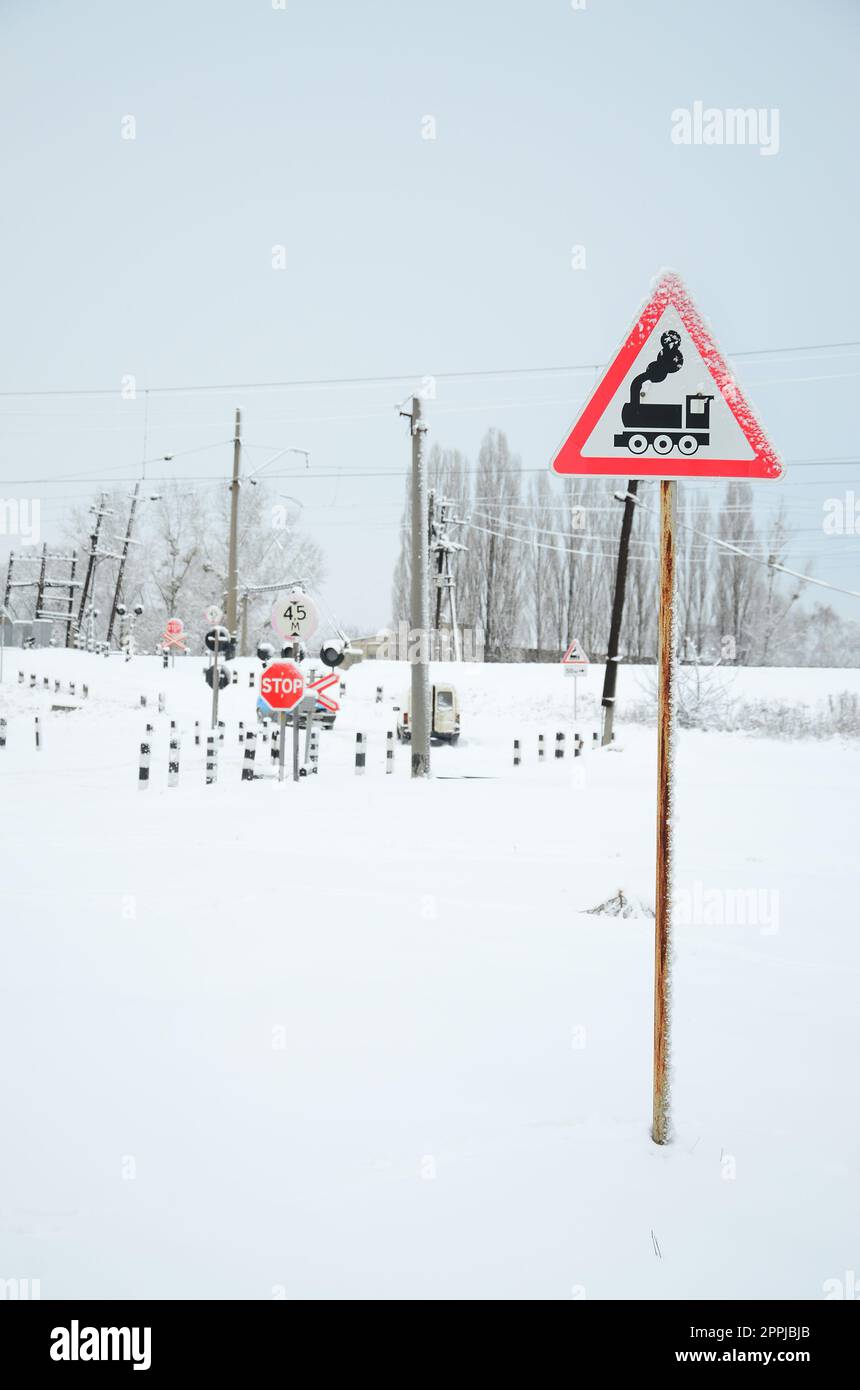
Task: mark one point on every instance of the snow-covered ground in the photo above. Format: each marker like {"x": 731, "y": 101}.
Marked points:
{"x": 356, "y": 1037}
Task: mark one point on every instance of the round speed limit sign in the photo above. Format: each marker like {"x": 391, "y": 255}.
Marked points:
{"x": 294, "y": 615}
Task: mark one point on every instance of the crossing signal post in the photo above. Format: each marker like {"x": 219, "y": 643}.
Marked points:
{"x": 217, "y": 641}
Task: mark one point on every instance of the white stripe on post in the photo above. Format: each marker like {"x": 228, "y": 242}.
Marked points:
{"x": 211, "y": 760}
{"x": 173, "y": 762}
{"x": 248, "y": 764}
{"x": 143, "y": 768}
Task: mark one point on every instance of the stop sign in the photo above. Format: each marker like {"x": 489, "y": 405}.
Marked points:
{"x": 174, "y": 627}
{"x": 282, "y": 685}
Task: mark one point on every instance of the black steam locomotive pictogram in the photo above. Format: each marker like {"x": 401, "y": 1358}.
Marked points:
{"x": 664, "y": 427}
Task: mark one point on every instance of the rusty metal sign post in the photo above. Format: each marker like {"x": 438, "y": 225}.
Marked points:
{"x": 666, "y": 654}
{"x": 700, "y": 425}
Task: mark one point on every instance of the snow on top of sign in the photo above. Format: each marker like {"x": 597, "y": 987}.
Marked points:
{"x": 669, "y": 289}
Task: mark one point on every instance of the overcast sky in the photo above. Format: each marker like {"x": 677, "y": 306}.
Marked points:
{"x": 258, "y": 127}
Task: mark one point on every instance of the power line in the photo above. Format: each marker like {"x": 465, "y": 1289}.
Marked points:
{"x": 770, "y": 564}
{"x": 312, "y": 383}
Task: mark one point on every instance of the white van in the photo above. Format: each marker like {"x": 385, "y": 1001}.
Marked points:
{"x": 445, "y": 715}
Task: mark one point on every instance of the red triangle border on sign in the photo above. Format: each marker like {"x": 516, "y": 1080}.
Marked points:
{"x": 670, "y": 289}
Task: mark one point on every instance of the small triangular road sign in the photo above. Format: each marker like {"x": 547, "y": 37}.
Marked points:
{"x": 575, "y": 656}
{"x": 668, "y": 405}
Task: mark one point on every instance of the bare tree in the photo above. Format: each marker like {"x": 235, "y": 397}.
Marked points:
{"x": 542, "y": 560}
{"x": 495, "y": 560}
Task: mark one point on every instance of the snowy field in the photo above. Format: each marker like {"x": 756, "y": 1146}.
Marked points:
{"x": 357, "y": 1037}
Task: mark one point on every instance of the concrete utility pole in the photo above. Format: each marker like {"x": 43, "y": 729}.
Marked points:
{"x": 610, "y": 675}
{"x": 233, "y": 552}
{"x": 420, "y": 712}
{"x": 92, "y": 558}
{"x": 123, "y": 557}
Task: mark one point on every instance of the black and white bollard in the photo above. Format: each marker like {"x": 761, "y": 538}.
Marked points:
{"x": 143, "y": 702}
{"x": 56, "y": 687}
{"x": 241, "y": 732}
{"x": 342, "y": 689}
{"x": 2, "y": 733}
{"x": 162, "y": 701}
{"x": 360, "y": 754}
{"x": 274, "y": 754}
{"x": 541, "y": 749}
{"x": 211, "y": 760}
{"x": 46, "y": 684}
{"x": 164, "y": 660}
{"x": 20, "y": 677}
{"x": 143, "y": 768}
{"x": 72, "y": 687}
{"x": 173, "y": 762}
{"x": 197, "y": 733}
{"x": 221, "y": 727}
{"x": 595, "y": 739}
{"x": 559, "y": 745}
{"x": 577, "y": 748}
{"x": 32, "y": 681}
{"x": 235, "y": 676}
{"x": 315, "y": 749}
{"x": 248, "y": 761}
{"x": 86, "y": 691}
{"x": 250, "y": 680}
{"x": 389, "y": 751}
{"x": 517, "y": 758}
{"x": 38, "y": 733}
{"x": 378, "y": 700}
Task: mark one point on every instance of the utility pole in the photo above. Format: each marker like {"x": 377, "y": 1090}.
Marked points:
{"x": 121, "y": 571}
{"x": 443, "y": 547}
{"x": 93, "y": 555}
{"x": 243, "y": 642}
{"x": 40, "y": 591}
{"x": 610, "y": 675}
{"x": 420, "y": 599}
{"x": 70, "y": 620}
{"x": 233, "y": 552}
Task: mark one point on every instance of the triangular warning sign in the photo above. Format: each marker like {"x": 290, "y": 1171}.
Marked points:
{"x": 575, "y": 656}
{"x": 668, "y": 406}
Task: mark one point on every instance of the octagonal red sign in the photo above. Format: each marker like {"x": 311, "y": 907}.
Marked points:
{"x": 282, "y": 685}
